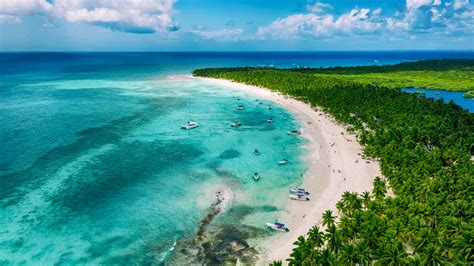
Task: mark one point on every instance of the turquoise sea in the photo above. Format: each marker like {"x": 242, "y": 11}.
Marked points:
{"x": 94, "y": 167}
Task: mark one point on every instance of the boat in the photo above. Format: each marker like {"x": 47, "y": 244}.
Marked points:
{"x": 284, "y": 161}
{"x": 235, "y": 124}
{"x": 190, "y": 125}
{"x": 278, "y": 227}
{"x": 300, "y": 197}
{"x": 240, "y": 107}
{"x": 269, "y": 108}
{"x": 298, "y": 191}
{"x": 294, "y": 132}
{"x": 284, "y": 118}
{"x": 256, "y": 176}
{"x": 270, "y": 120}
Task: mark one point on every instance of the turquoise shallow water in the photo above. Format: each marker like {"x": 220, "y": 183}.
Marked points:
{"x": 456, "y": 97}
{"x": 109, "y": 177}
{"x": 94, "y": 168}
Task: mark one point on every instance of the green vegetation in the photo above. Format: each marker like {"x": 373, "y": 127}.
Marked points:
{"x": 421, "y": 211}
{"x": 453, "y": 75}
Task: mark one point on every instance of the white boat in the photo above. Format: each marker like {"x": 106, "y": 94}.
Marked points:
{"x": 235, "y": 124}
{"x": 278, "y": 227}
{"x": 257, "y": 152}
{"x": 269, "y": 107}
{"x": 240, "y": 107}
{"x": 298, "y": 191}
{"x": 270, "y": 120}
{"x": 294, "y": 132}
{"x": 256, "y": 176}
{"x": 284, "y": 161}
{"x": 299, "y": 197}
{"x": 190, "y": 125}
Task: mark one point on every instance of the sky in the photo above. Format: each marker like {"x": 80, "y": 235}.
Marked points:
{"x": 235, "y": 25}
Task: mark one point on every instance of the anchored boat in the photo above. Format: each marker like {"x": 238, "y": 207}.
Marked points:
{"x": 298, "y": 191}
{"x": 235, "y": 124}
{"x": 294, "y": 132}
{"x": 300, "y": 197}
{"x": 190, "y": 125}
{"x": 278, "y": 227}
{"x": 256, "y": 176}
{"x": 257, "y": 152}
{"x": 240, "y": 107}
{"x": 282, "y": 162}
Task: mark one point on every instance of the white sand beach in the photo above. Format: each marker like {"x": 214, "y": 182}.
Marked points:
{"x": 335, "y": 165}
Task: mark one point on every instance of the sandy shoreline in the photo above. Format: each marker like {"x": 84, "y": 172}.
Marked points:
{"x": 334, "y": 166}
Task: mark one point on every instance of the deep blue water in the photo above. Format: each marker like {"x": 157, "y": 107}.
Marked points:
{"x": 94, "y": 167}
{"x": 456, "y": 96}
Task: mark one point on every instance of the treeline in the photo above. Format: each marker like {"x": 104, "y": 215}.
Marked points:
{"x": 425, "y": 148}
{"x": 424, "y": 65}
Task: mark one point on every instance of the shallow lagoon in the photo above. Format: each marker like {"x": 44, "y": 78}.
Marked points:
{"x": 456, "y": 96}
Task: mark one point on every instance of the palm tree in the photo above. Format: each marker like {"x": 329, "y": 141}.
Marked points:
{"x": 348, "y": 255}
{"x": 363, "y": 253}
{"x": 366, "y": 199}
{"x": 432, "y": 256}
{"x": 379, "y": 189}
{"x": 316, "y": 237}
{"x": 394, "y": 254}
{"x": 328, "y": 219}
{"x": 465, "y": 245}
{"x": 333, "y": 238}
{"x": 327, "y": 257}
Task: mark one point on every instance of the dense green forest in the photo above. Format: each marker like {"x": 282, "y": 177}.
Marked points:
{"x": 453, "y": 74}
{"x": 421, "y": 211}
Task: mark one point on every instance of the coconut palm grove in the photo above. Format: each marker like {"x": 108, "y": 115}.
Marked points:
{"x": 420, "y": 210}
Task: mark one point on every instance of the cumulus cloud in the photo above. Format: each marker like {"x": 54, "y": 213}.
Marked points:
{"x": 136, "y": 16}
{"x": 222, "y": 34}
{"x": 318, "y": 7}
{"x": 418, "y": 16}
{"x": 434, "y": 16}
{"x": 356, "y": 21}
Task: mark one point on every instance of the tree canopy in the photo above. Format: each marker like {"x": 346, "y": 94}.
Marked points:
{"x": 425, "y": 149}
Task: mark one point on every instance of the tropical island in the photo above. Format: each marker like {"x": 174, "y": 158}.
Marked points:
{"x": 420, "y": 208}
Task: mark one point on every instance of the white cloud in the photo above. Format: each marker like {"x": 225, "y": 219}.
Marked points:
{"x": 318, "y": 7}
{"x": 458, "y": 4}
{"x": 414, "y": 4}
{"x": 222, "y": 34}
{"x": 356, "y": 21}
{"x": 137, "y": 16}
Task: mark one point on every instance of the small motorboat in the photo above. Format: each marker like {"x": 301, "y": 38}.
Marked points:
{"x": 298, "y": 191}
{"x": 256, "y": 176}
{"x": 270, "y": 120}
{"x": 257, "y": 152}
{"x": 237, "y": 98}
{"x": 235, "y": 124}
{"x": 240, "y": 107}
{"x": 260, "y": 103}
{"x": 269, "y": 108}
{"x": 300, "y": 197}
{"x": 278, "y": 227}
{"x": 284, "y": 118}
{"x": 294, "y": 132}
{"x": 284, "y": 161}
{"x": 190, "y": 125}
